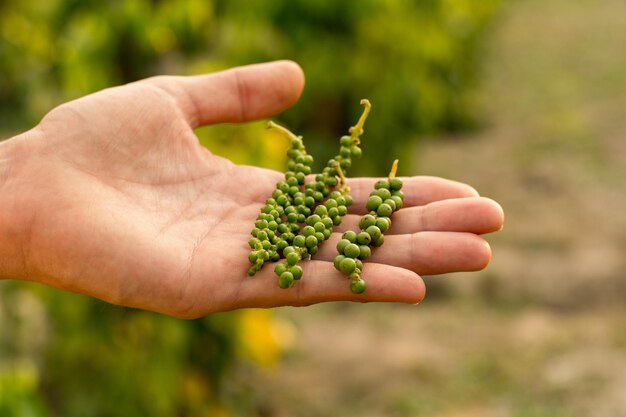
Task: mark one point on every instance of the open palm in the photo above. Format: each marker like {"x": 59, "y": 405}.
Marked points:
{"x": 120, "y": 202}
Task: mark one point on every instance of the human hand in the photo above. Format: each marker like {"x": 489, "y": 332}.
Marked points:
{"x": 112, "y": 196}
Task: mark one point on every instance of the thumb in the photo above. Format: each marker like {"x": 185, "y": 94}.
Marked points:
{"x": 236, "y": 95}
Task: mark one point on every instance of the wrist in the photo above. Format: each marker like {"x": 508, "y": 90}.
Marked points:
{"x": 14, "y": 155}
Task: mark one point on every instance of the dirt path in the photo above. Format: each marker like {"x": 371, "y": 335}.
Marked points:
{"x": 542, "y": 332}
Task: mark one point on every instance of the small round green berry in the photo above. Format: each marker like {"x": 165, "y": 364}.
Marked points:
{"x": 328, "y": 222}
{"x": 379, "y": 241}
{"x": 292, "y": 258}
{"x": 281, "y": 245}
{"x": 384, "y": 210}
{"x": 261, "y": 224}
{"x": 373, "y": 202}
{"x": 341, "y": 245}
{"x": 342, "y": 210}
{"x": 398, "y": 193}
{"x": 381, "y": 184}
{"x": 346, "y": 141}
{"x": 365, "y": 251}
{"x": 319, "y": 227}
{"x": 253, "y": 256}
{"x": 398, "y": 201}
{"x": 349, "y": 200}
{"x": 321, "y": 210}
{"x": 319, "y": 236}
{"x": 350, "y": 236}
{"x": 274, "y": 256}
{"x": 292, "y": 217}
{"x": 390, "y": 203}
{"x": 310, "y": 241}
{"x": 367, "y": 221}
{"x": 383, "y": 223}
{"x": 363, "y": 238}
{"x": 285, "y": 280}
{"x": 337, "y": 261}
{"x": 299, "y": 241}
{"x": 288, "y": 250}
{"x": 337, "y": 220}
{"x": 308, "y": 231}
{"x": 382, "y": 193}
{"x": 296, "y": 271}
{"x": 330, "y": 203}
{"x": 314, "y": 218}
{"x": 347, "y": 265}
{"x": 374, "y": 232}
{"x": 395, "y": 184}
{"x": 351, "y": 250}
{"x": 327, "y": 233}
{"x": 358, "y": 287}
{"x": 356, "y": 152}
{"x": 359, "y": 264}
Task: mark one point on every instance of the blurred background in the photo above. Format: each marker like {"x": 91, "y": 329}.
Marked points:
{"x": 522, "y": 99}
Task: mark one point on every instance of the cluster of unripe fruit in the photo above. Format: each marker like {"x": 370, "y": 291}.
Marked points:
{"x": 300, "y": 215}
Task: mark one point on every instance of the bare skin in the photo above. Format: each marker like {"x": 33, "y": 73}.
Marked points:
{"x": 112, "y": 196}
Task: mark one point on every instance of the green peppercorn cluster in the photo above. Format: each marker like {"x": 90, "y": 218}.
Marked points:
{"x": 354, "y": 248}
{"x": 300, "y": 216}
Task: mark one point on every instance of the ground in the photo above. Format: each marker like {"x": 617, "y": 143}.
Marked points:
{"x": 542, "y": 331}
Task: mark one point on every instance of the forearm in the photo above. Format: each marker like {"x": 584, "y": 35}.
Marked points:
{"x": 13, "y": 230}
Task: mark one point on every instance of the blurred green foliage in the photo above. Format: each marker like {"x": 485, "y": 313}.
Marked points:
{"x": 417, "y": 61}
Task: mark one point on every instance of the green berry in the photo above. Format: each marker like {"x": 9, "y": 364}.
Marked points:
{"x": 398, "y": 201}
{"x": 337, "y": 261}
{"x": 382, "y": 193}
{"x": 395, "y": 184}
{"x": 296, "y": 271}
{"x": 319, "y": 227}
{"x": 299, "y": 241}
{"x": 383, "y": 223}
{"x": 374, "y": 232}
{"x": 373, "y": 202}
{"x": 350, "y": 236}
{"x": 342, "y": 210}
{"x": 347, "y": 265}
{"x": 399, "y": 194}
{"x": 357, "y": 287}
{"x": 384, "y": 210}
{"x": 321, "y": 210}
{"x": 365, "y": 251}
{"x": 351, "y": 250}
{"x": 390, "y": 203}
{"x": 253, "y": 256}
{"x": 341, "y": 245}
{"x": 292, "y": 258}
{"x": 285, "y": 280}
{"x": 381, "y": 184}
{"x": 379, "y": 241}
{"x": 308, "y": 231}
{"x": 363, "y": 238}
{"x": 310, "y": 241}
{"x": 367, "y": 221}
